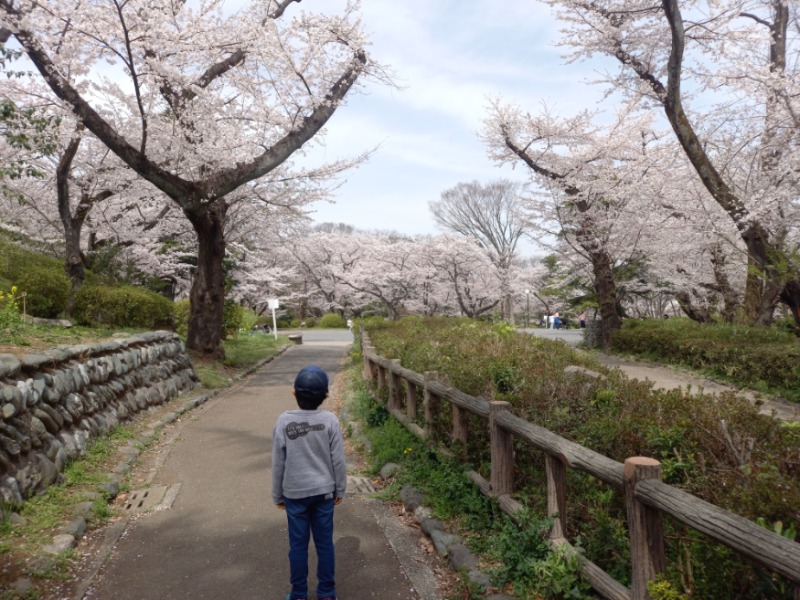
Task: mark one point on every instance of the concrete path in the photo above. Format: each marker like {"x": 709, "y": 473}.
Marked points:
{"x": 665, "y": 377}
{"x": 222, "y": 537}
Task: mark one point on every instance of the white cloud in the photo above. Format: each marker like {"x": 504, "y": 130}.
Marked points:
{"x": 449, "y": 56}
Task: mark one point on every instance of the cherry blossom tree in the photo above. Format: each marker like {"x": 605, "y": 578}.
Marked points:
{"x": 209, "y": 101}
{"x": 387, "y": 271}
{"x": 463, "y": 277}
{"x": 323, "y": 261}
{"x": 733, "y": 112}
{"x": 594, "y": 195}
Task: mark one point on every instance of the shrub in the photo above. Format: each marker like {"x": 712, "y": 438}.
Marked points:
{"x": 332, "y": 321}
{"x": 232, "y": 318}
{"x": 718, "y": 448}
{"x": 264, "y": 320}
{"x": 761, "y": 358}
{"x": 249, "y": 319}
{"x": 182, "y": 308}
{"x": 123, "y": 307}
{"x": 46, "y": 291}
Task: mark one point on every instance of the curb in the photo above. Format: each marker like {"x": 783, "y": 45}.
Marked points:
{"x": 448, "y": 546}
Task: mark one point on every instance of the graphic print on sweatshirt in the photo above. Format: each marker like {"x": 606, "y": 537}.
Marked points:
{"x": 295, "y": 430}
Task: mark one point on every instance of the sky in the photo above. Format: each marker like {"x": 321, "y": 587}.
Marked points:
{"x": 448, "y": 57}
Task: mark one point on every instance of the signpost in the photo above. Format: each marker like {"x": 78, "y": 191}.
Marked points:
{"x": 273, "y": 304}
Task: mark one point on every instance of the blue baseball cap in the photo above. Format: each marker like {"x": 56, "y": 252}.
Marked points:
{"x": 311, "y": 380}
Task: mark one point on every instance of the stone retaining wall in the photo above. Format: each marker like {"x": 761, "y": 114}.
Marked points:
{"x": 52, "y": 403}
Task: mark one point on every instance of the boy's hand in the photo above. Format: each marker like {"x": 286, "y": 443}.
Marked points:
{"x": 281, "y": 505}
{"x": 338, "y": 501}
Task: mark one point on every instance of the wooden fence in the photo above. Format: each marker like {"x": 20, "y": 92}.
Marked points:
{"x": 639, "y": 479}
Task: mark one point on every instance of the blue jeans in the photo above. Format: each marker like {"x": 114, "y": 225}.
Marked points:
{"x": 312, "y": 515}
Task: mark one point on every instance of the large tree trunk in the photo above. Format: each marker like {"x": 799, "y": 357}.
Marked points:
{"x": 73, "y": 224}
{"x": 699, "y": 314}
{"x": 73, "y": 263}
{"x": 207, "y": 295}
{"x": 606, "y": 290}
{"x": 769, "y": 261}
{"x": 730, "y": 299}
{"x": 73, "y": 266}
{"x": 791, "y": 297}
{"x": 767, "y": 275}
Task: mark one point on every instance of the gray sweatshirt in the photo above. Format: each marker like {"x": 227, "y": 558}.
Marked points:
{"x": 307, "y": 455}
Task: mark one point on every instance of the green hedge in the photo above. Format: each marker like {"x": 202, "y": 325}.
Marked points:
{"x": 761, "y": 358}
{"x": 123, "y": 306}
{"x": 332, "y": 321}
{"x": 40, "y": 277}
{"x": 46, "y": 291}
{"x": 703, "y": 443}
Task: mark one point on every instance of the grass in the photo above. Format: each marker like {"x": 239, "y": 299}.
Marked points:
{"x": 25, "y": 337}
{"x": 241, "y": 353}
{"x": 246, "y": 350}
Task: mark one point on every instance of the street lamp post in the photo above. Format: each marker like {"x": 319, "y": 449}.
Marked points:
{"x": 527, "y": 308}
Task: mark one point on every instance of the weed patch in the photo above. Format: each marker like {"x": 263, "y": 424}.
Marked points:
{"x": 516, "y": 557}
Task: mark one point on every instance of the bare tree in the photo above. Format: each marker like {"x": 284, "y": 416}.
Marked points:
{"x": 491, "y": 215}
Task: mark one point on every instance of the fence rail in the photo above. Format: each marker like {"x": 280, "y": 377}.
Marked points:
{"x": 639, "y": 479}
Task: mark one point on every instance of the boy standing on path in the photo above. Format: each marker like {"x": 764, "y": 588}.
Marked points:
{"x": 309, "y": 477}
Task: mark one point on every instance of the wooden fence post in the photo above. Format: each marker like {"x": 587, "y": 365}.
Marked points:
{"x": 502, "y": 476}
{"x": 411, "y": 400}
{"x": 367, "y": 365}
{"x": 644, "y": 527}
{"x": 556, "y": 494}
{"x": 430, "y": 402}
{"x": 381, "y": 377}
{"x": 395, "y": 385}
{"x": 459, "y": 424}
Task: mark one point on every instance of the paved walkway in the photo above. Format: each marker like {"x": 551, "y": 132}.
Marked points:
{"x": 219, "y": 535}
{"x": 222, "y": 537}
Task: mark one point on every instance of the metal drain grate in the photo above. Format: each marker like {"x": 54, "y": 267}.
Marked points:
{"x": 158, "y": 497}
{"x": 359, "y": 485}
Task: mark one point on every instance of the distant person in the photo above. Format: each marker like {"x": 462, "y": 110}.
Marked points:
{"x": 556, "y": 320}
{"x": 309, "y": 478}
{"x": 582, "y": 319}
{"x": 350, "y": 325}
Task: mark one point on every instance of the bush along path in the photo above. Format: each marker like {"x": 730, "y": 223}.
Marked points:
{"x": 489, "y": 555}
{"x": 665, "y": 377}
{"x": 716, "y": 447}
